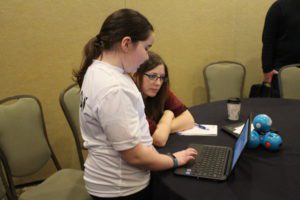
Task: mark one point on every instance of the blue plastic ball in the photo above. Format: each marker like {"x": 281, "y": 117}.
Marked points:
{"x": 262, "y": 123}
{"x": 272, "y": 141}
{"x": 254, "y": 140}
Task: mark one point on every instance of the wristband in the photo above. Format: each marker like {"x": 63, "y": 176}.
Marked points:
{"x": 175, "y": 161}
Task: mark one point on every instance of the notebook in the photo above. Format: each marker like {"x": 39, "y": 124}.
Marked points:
{"x": 233, "y": 129}
{"x": 200, "y": 130}
{"x": 216, "y": 162}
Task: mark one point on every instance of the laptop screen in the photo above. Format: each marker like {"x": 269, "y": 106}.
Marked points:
{"x": 240, "y": 144}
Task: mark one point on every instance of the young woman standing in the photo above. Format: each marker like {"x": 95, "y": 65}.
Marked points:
{"x": 112, "y": 118}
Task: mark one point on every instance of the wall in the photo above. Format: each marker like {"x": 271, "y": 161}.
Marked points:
{"x": 41, "y": 43}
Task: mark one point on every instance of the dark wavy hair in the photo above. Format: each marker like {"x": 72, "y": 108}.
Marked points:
{"x": 154, "y": 106}
{"x": 121, "y": 23}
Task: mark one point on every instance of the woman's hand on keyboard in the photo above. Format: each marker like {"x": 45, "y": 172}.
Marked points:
{"x": 185, "y": 156}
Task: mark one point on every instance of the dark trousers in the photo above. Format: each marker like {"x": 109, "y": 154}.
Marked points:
{"x": 275, "y": 86}
{"x": 144, "y": 194}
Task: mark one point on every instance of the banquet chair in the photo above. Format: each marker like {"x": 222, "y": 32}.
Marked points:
{"x": 224, "y": 79}
{"x": 289, "y": 81}
{"x": 25, "y": 150}
{"x": 4, "y": 189}
{"x": 69, "y": 101}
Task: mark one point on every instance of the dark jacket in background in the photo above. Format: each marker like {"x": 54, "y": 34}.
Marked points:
{"x": 281, "y": 35}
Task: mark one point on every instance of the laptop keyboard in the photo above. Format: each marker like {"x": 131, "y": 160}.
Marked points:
{"x": 211, "y": 163}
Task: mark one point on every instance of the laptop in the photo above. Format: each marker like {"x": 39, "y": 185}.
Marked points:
{"x": 216, "y": 162}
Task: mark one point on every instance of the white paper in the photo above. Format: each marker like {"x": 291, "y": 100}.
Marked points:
{"x": 211, "y": 130}
{"x": 239, "y": 129}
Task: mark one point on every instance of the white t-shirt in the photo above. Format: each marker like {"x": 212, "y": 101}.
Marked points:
{"x": 112, "y": 119}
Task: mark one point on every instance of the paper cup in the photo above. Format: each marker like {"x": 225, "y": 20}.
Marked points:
{"x": 233, "y": 109}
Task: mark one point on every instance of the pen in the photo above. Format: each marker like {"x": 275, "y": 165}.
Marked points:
{"x": 201, "y": 126}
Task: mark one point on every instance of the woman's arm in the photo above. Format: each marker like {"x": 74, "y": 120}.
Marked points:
{"x": 182, "y": 122}
{"x": 148, "y": 158}
{"x": 183, "y": 119}
{"x": 163, "y": 129}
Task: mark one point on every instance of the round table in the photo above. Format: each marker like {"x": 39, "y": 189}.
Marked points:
{"x": 259, "y": 173}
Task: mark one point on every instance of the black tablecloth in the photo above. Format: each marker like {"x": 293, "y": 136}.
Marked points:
{"x": 259, "y": 174}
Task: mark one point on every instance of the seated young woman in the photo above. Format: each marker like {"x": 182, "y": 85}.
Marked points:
{"x": 165, "y": 113}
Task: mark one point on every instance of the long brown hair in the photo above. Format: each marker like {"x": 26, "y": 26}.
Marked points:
{"x": 123, "y": 22}
{"x": 154, "y": 106}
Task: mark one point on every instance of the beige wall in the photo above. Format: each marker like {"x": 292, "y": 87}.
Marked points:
{"x": 41, "y": 42}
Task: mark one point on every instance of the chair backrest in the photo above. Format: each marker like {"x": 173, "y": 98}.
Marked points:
{"x": 4, "y": 188}
{"x": 24, "y": 146}
{"x": 289, "y": 81}
{"x": 69, "y": 100}
{"x": 224, "y": 79}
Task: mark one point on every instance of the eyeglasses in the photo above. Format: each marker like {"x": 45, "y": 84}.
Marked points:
{"x": 154, "y": 77}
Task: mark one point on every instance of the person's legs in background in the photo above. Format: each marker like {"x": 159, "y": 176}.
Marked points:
{"x": 275, "y": 86}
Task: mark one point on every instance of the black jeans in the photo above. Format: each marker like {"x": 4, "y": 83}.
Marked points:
{"x": 144, "y": 194}
{"x": 275, "y": 86}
